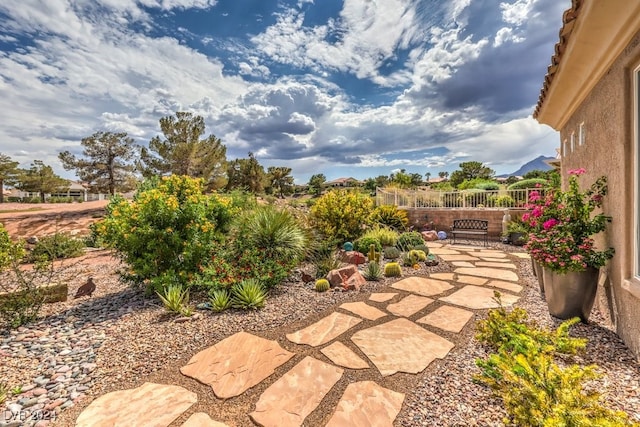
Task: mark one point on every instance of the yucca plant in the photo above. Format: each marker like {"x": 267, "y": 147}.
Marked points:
{"x": 372, "y": 272}
{"x": 220, "y": 300}
{"x": 276, "y": 232}
{"x": 176, "y": 299}
{"x": 248, "y": 294}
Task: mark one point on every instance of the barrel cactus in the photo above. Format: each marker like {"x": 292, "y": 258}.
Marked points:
{"x": 392, "y": 269}
{"x": 322, "y": 285}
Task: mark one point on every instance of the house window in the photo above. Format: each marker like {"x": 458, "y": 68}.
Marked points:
{"x": 581, "y": 134}
{"x": 564, "y": 148}
{"x": 573, "y": 141}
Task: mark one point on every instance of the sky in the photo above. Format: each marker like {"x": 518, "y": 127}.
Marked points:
{"x": 349, "y": 88}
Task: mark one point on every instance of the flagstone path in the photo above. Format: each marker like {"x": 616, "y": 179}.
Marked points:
{"x": 391, "y": 332}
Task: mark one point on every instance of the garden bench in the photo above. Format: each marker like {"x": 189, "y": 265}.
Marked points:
{"x": 470, "y": 228}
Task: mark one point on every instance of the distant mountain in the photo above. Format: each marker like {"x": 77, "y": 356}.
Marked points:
{"x": 535, "y": 164}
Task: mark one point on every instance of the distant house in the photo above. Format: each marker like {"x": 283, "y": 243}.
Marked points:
{"x": 343, "y": 182}
{"x": 591, "y": 95}
{"x": 76, "y": 190}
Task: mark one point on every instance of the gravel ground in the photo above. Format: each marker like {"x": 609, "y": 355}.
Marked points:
{"x": 119, "y": 339}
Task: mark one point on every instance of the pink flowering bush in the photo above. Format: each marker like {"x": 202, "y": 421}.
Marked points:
{"x": 562, "y": 224}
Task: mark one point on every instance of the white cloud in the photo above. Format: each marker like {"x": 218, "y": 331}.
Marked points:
{"x": 518, "y": 12}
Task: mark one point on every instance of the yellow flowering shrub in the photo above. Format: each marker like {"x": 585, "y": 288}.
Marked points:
{"x": 342, "y": 214}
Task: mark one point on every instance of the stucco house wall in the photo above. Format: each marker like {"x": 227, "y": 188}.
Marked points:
{"x": 591, "y": 89}
{"x": 607, "y": 148}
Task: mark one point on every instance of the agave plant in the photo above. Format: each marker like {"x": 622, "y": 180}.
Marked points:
{"x": 248, "y": 294}
{"x": 372, "y": 272}
{"x": 220, "y": 300}
{"x": 176, "y": 299}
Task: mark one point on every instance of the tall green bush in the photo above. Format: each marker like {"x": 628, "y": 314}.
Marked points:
{"x": 170, "y": 228}
{"x": 341, "y": 214}
{"x": 535, "y": 390}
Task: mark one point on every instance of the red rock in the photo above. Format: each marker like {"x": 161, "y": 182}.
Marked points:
{"x": 430, "y": 236}
{"x": 353, "y": 257}
{"x": 355, "y": 282}
{"x": 338, "y": 276}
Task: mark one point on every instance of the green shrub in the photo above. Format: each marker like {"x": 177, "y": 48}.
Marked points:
{"x": 497, "y": 201}
{"x": 372, "y": 272}
{"x": 535, "y": 390}
{"x": 409, "y": 240}
{"x": 390, "y": 216}
{"x": 56, "y": 246}
{"x": 322, "y": 285}
{"x": 364, "y": 243}
{"x": 480, "y": 184}
{"x": 248, "y": 294}
{"x": 170, "y": 227}
{"x": 392, "y": 269}
{"x": 24, "y": 297}
{"x": 528, "y": 183}
{"x": 176, "y": 299}
{"x": 340, "y": 214}
{"x": 219, "y": 274}
{"x": 386, "y": 236}
{"x": 391, "y": 252}
{"x": 220, "y": 300}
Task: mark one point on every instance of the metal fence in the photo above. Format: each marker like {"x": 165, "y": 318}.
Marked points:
{"x": 454, "y": 199}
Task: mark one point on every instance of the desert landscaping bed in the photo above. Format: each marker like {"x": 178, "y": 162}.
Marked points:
{"x": 119, "y": 339}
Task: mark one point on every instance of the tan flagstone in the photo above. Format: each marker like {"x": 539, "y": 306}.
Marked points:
{"x": 513, "y": 287}
{"x": 488, "y": 259}
{"x": 462, "y": 264}
{"x": 363, "y": 310}
{"x": 467, "y": 248}
{"x": 442, "y": 276}
{"x": 401, "y": 346}
{"x": 491, "y": 254}
{"x": 366, "y": 404}
{"x": 477, "y": 298}
{"x": 443, "y": 251}
{"x": 489, "y": 273}
{"x": 447, "y": 318}
{"x": 289, "y": 400}
{"x": 422, "y": 286}
{"x": 522, "y": 255}
{"x": 324, "y": 330}
{"x": 472, "y": 280}
{"x": 434, "y": 244}
{"x": 342, "y": 355}
{"x": 409, "y": 305}
{"x": 152, "y": 405}
{"x": 495, "y": 264}
{"x": 382, "y": 296}
{"x": 200, "y": 419}
{"x": 236, "y": 363}
{"x": 451, "y": 258}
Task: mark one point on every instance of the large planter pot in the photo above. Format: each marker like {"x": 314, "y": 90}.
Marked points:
{"x": 570, "y": 294}
{"x": 539, "y": 273}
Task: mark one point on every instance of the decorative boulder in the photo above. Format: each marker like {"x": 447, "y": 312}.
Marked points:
{"x": 430, "y": 236}
{"x": 347, "y": 278}
{"x": 353, "y": 257}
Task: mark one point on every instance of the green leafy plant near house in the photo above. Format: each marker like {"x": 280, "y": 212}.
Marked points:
{"x": 535, "y": 390}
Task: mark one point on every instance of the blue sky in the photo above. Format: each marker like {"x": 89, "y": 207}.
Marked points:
{"x": 346, "y": 88}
